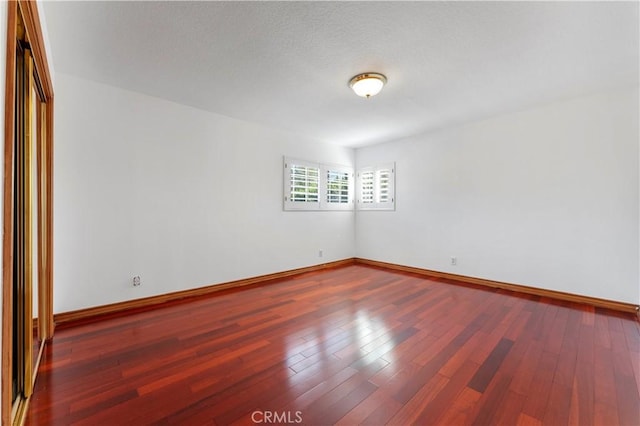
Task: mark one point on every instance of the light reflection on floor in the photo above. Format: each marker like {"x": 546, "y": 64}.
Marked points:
{"x": 352, "y": 336}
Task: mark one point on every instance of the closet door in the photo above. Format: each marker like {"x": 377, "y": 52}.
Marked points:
{"x": 35, "y": 205}
{"x": 25, "y": 227}
{"x": 27, "y": 210}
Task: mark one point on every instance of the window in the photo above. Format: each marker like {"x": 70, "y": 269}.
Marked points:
{"x": 304, "y": 184}
{"x": 376, "y": 188}
{"x": 312, "y": 186}
{"x": 337, "y": 187}
{"x": 301, "y": 185}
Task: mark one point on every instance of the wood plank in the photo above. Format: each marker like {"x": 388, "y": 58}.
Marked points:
{"x": 583, "y": 395}
{"x": 525, "y": 420}
{"x": 510, "y": 412}
{"x": 437, "y": 406}
{"x": 527, "y": 371}
{"x": 336, "y": 404}
{"x": 488, "y": 369}
{"x": 460, "y": 410}
{"x": 628, "y": 400}
{"x": 361, "y": 411}
{"x": 413, "y": 408}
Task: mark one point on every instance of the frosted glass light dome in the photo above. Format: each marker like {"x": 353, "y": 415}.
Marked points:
{"x": 367, "y": 84}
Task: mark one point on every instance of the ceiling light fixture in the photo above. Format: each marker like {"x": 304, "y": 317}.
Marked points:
{"x": 367, "y": 84}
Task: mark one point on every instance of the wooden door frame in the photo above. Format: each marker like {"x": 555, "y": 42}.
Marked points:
{"x": 29, "y": 11}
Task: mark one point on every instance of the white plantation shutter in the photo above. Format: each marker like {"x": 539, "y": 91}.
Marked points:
{"x": 376, "y": 188}
{"x": 311, "y": 186}
{"x": 338, "y": 188}
{"x": 385, "y": 177}
{"x": 301, "y": 185}
{"x": 367, "y": 183}
{"x": 304, "y": 183}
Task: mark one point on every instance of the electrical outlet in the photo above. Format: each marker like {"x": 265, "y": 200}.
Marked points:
{"x": 454, "y": 261}
{"x": 320, "y": 253}
{"x": 136, "y": 281}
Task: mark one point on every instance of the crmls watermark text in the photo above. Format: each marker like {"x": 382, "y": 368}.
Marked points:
{"x": 276, "y": 416}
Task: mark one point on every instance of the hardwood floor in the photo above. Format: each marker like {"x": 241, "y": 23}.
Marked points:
{"x": 354, "y": 345}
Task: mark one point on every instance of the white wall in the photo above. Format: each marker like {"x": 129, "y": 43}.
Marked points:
{"x": 179, "y": 196}
{"x": 546, "y": 197}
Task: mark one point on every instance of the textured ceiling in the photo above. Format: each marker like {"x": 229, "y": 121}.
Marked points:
{"x": 287, "y": 64}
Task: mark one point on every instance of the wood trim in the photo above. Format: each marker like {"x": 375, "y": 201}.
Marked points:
{"x": 31, "y": 19}
{"x": 30, "y": 16}
{"x": 7, "y": 222}
{"x": 552, "y": 294}
{"x": 70, "y": 318}
{"x": 27, "y": 222}
{"x": 20, "y": 413}
{"x": 48, "y": 325}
